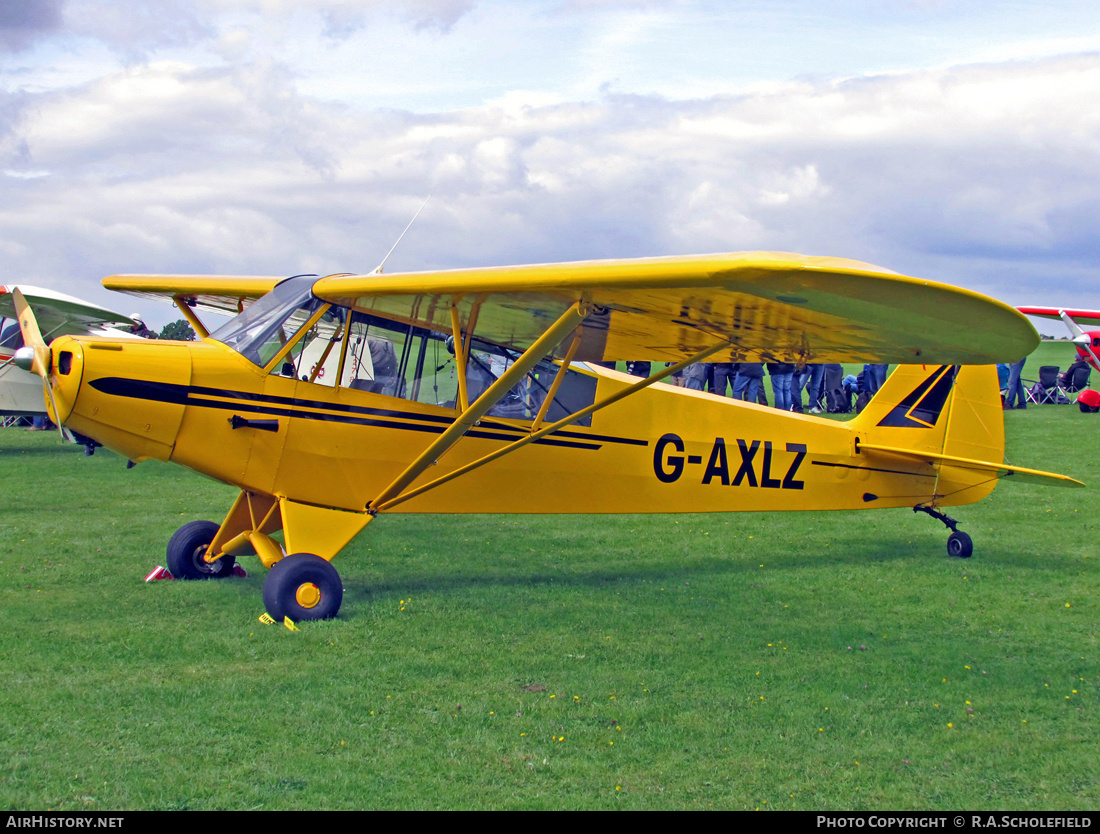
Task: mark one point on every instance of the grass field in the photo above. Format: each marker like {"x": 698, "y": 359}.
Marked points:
{"x": 741, "y": 661}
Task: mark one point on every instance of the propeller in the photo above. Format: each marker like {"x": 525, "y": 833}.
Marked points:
{"x": 1080, "y": 337}
{"x": 35, "y": 355}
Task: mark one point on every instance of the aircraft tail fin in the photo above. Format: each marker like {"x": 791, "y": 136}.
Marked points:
{"x": 944, "y": 409}
{"x": 948, "y": 416}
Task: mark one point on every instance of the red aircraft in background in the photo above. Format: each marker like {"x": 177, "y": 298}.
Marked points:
{"x": 1086, "y": 342}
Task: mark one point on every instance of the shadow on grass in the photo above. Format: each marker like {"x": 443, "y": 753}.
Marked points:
{"x": 358, "y": 589}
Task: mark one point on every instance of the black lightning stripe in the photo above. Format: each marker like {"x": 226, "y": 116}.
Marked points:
{"x": 225, "y": 399}
{"x": 922, "y": 407}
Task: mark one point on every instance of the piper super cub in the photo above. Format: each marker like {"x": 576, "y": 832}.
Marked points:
{"x": 331, "y": 400}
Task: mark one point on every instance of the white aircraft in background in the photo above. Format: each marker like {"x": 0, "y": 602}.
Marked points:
{"x": 21, "y": 392}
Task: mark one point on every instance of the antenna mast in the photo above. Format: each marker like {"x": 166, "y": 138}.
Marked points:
{"x": 378, "y": 269}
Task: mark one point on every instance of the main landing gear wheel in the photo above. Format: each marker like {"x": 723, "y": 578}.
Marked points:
{"x": 303, "y": 587}
{"x": 186, "y": 550}
{"x": 959, "y": 545}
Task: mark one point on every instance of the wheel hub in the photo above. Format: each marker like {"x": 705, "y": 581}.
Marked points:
{"x": 199, "y": 558}
{"x": 307, "y": 595}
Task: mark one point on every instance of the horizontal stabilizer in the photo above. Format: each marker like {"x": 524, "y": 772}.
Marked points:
{"x": 1000, "y": 470}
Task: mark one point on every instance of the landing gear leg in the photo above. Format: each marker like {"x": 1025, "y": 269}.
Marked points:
{"x": 959, "y": 544}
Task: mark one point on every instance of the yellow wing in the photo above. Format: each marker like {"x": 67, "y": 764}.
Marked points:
{"x": 769, "y": 306}
{"x": 220, "y": 293}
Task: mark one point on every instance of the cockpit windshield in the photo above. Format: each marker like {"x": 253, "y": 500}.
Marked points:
{"x": 260, "y": 331}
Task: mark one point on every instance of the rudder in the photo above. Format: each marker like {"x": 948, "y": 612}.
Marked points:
{"x": 945, "y": 410}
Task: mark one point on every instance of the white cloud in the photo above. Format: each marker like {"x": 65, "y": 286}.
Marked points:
{"x": 232, "y": 161}
{"x": 343, "y": 16}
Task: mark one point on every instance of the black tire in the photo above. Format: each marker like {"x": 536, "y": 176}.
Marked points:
{"x": 959, "y": 545}
{"x": 303, "y": 587}
{"x": 187, "y": 547}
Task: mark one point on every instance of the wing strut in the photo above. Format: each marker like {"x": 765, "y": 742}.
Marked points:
{"x": 462, "y": 351}
{"x": 380, "y": 506}
{"x": 188, "y": 313}
{"x": 462, "y": 400}
{"x": 559, "y": 377}
{"x": 544, "y": 345}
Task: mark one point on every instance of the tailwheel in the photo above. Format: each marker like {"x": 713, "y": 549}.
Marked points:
{"x": 960, "y": 545}
{"x": 303, "y": 587}
{"x": 186, "y": 550}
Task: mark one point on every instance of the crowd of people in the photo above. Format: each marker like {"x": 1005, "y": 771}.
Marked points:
{"x": 824, "y": 386}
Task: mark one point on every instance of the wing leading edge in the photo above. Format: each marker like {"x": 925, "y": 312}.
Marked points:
{"x": 58, "y": 313}
{"x": 218, "y": 293}
{"x": 1056, "y": 313}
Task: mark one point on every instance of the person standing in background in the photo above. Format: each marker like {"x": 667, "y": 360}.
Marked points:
{"x": 1015, "y": 391}
{"x": 781, "y": 373}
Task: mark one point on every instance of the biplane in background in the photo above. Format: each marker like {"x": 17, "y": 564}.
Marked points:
{"x": 331, "y": 400}
{"x": 58, "y": 314}
{"x": 1087, "y": 342}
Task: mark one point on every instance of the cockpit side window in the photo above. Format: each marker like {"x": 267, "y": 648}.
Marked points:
{"x": 373, "y": 359}
{"x": 312, "y": 333}
{"x": 293, "y": 334}
{"x": 488, "y": 361}
{"x": 398, "y": 360}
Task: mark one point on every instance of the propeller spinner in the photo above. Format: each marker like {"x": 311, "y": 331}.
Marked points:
{"x": 1080, "y": 338}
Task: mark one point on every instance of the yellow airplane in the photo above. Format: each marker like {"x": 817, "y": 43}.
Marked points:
{"x": 330, "y": 400}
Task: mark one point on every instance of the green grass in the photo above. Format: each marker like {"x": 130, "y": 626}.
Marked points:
{"x": 784, "y": 661}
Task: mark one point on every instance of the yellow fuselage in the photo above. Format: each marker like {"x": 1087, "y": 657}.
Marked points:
{"x": 663, "y": 449}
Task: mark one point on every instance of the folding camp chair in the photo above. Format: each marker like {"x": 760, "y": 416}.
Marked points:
{"x": 1078, "y": 380}
{"x": 1047, "y": 390}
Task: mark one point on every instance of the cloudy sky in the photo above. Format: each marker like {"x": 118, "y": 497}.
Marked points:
{"x": 956, "y": 140}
